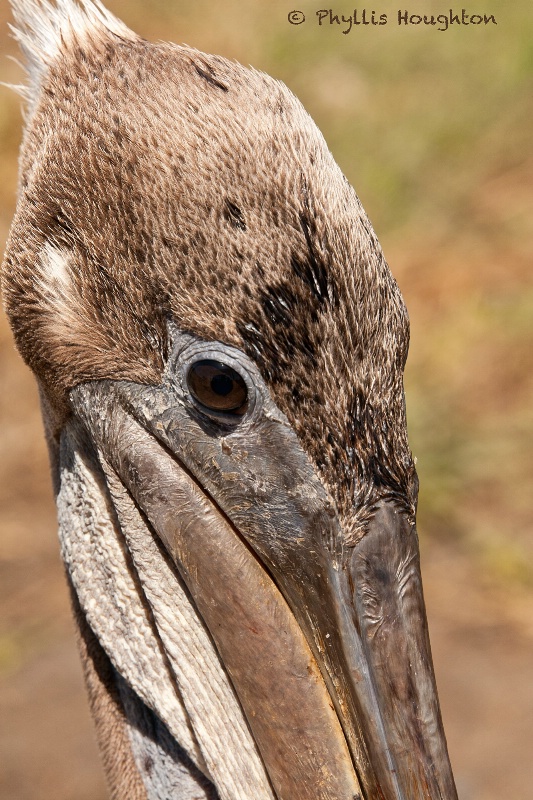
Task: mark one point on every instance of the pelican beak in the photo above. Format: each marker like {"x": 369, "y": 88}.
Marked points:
{"x": 326, "y": 645}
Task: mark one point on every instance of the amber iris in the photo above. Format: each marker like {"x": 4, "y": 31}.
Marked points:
{"x": 217, "y": 387}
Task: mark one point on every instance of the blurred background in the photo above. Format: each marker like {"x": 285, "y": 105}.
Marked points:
{"x": 433, "y": 128}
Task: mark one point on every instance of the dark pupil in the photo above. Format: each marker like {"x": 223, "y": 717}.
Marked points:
{"x": 217, "y": 387}
{"x": 221, "y": 384}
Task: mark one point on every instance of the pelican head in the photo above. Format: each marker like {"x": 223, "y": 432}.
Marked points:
{"x": 219, "y": 346}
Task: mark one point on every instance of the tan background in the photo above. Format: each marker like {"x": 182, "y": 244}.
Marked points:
{"x": 434, "y": 131}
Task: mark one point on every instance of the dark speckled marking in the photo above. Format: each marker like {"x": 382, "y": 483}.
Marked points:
{"x": 234, "y": 215}
{"x": 279, "y": 303}
{"x": 312, "y": 270}
{"x": 272, "y": 339}
{"x": 210, "y": 79}
{"x": 58, "y": 227}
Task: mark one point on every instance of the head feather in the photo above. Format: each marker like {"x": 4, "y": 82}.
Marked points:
{"x": 160, "y": 183}
{"x": 42, "y": 28}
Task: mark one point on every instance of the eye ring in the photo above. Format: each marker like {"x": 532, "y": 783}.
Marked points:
{"x": 217, "y": 388}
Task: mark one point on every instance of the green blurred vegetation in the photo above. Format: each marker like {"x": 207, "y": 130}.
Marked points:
{"x": 434, "y": 131}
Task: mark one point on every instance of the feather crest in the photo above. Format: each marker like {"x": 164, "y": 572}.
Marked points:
{"x": 42, "y": 28}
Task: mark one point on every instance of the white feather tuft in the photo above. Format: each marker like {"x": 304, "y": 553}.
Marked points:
{"x": 42, "y": 28}
{"x": 55, "y": 266}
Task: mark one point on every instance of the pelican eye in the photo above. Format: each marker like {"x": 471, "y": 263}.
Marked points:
{"x": 217, "y": 387}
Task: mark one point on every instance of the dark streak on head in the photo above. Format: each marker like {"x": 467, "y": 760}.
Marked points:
{"x": 313, "y": 269}
{"x": 210, "y": 78}
{"x": 234, "y": 215}
{"x": 273, "y": 339}
{"x": 59, "y": 229}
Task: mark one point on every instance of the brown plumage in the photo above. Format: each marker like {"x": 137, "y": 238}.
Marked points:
{"x": 181, "y": 185}
{"x": 246, "y": 587}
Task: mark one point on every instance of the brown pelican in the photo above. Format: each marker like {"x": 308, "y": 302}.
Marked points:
{"x": 219, "y": 346}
